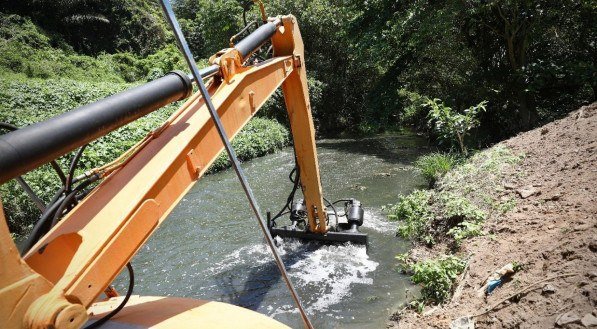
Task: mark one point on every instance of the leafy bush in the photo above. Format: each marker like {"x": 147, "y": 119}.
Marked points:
{"x": 451, "y": 125}
{"x": 427, "y": 215}
{"x": 415, "y": 213}
{"x": 414, "y": 112}
{"x": 435, "y": 165}
{"x": 259, "y": 137}
{"x": 437, "y": 276}
{"x": 465, "y": 230}
{"x": 28, "y": 51}
{"x": 457, "y": 208}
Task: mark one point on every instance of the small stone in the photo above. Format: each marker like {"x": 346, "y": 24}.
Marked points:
{"x": 589, "y": 320}
{"x": 509, "y": 186}
{"x": 526, "y": 191}
{"x": 567, "y": 318}
{"x": 548, "y": 289}
{"x": 464, "y": 322}
{"x": 593, "y": 246}
{"x": 544, "y": 131}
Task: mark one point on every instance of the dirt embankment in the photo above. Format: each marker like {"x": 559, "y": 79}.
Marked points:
{"x": 552, "y": 231}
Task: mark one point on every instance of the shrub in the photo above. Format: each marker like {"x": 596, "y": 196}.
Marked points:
{"x": 451, "y": 125}
{"x": 415, "y": 213}
{"x": 427, "y": 215}
{"x": 259, "y": 137}
{"x": 435, "y": 165}
{"x": 465, "y": 230}
{"x": 437, "y": 276}
{"x": 458, "y": 208}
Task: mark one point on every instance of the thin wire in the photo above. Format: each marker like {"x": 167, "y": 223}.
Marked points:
{"x": 184, "y": 47}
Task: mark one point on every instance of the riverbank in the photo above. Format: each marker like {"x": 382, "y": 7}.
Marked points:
{"x": 532, "y": 198}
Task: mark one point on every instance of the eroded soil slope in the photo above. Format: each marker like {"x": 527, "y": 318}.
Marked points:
{"x": 552, "y": 231}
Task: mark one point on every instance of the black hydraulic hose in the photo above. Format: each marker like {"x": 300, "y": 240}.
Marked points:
{"x": 31, "y": 146}
{"x": 290, "y": 198}
{"x": 115, "y": 311}
{"x": 341, "y": 200}
{"x": 69, "y": 198}
{"x": 333, "y": 208}
{"x": 59, "y": 171}
{"x": 53, "y": 212}
{"x": 42, "y": 226}
{"x": 73, "y": 166}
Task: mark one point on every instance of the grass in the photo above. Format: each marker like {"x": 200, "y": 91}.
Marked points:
{"x": 435, "y": 165}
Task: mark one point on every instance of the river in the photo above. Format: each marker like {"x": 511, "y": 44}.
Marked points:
{"x": 211, "y": 247}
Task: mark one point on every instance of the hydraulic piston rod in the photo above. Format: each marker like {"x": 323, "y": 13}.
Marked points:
{"x": 29, "y": 147}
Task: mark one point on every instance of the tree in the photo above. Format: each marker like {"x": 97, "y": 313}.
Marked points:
{"x": 452, "y": 125}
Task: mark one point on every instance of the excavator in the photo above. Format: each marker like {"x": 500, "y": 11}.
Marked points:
{"x": 62, "y": 275}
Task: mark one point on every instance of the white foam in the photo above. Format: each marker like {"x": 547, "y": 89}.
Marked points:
{"x": 376, "y": 220}
{"x": 331, "y": 271}
{"x": 256, "y": 254}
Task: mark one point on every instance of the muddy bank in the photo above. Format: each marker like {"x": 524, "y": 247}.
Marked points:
{"x": 549, "y": 227}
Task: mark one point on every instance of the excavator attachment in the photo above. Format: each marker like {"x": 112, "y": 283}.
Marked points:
{"x": 343, "y": 226}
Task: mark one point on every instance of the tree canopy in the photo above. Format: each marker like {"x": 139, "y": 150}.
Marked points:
{"x": 532, "y": 61}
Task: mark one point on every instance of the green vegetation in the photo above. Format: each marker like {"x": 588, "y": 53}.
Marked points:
{"x": 533, "y": 61}
{"x": 29, "y": 52}
{"x": 415, "y": 213}
{"x": 454, "y": 210}
{"x": 449, "y": 214}
{"x": 426, "y": 216}
{"x": 434, "y": 166}
{"x": 259, "y": 137}
{"x": 451, "y": 125}
{"x": 436, "y": 276}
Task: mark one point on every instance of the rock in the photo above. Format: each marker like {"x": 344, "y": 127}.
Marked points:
{"x": 464, "y": 322}
{"x": 593, "y": 246}
{"x": 509, "y": 186}
{"x": 589, "y": 320}
{"x": 526, "y": 191}
{"x": 382, "y": 174}
{"x": 548, "y": 289}
{"x": 544, "y": 131}
{"x": 567, "y": 318}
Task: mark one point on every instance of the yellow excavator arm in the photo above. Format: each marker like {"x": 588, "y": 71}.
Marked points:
{"x": 56, "y": 282}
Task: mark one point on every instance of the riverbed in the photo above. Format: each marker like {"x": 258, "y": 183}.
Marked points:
{"x": 211, "y": 247}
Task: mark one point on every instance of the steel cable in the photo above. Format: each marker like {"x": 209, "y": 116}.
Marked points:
{"x": 184, "y": 47}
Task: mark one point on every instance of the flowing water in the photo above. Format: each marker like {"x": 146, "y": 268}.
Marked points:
{"x": 211, "y": 247}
